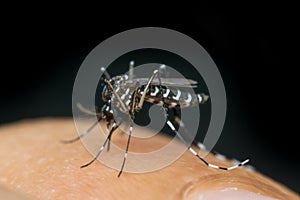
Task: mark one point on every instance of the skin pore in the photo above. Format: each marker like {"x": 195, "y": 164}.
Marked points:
{"x": 35, "y": 164}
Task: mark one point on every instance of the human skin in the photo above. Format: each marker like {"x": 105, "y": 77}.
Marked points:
{"x": 34, "y": 163}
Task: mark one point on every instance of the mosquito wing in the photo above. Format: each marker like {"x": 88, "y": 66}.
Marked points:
{"x": 171, "y": 82}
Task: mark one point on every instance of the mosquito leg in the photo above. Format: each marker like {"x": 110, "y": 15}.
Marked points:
{"x": 109, "y": 138}
{"x": 89, "y": 112}
{"x": 142, "y": 99}
{"x": 201, "y": 146}
{"x": 108, "y": 143}
{"x": 108, "y": 126}
{"x": 133, "y": 104}
{"x": 131, "y": 113}
{"x": 126, "y": 150}
{"x": 180, "y": 123}
{"x": 177, "y": 119}
{"x": 198, "y": 156}
{"x": 114, "y": 127}
{"x": 141, "y": 102}
{"x": 83, "y": 134}
{"x": 162, "y": 96}
{"x": 186, "y": 132}
{"x": 85, "y": 110}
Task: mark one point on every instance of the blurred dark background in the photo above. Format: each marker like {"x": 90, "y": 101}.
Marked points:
{"x": 255, "y": 55}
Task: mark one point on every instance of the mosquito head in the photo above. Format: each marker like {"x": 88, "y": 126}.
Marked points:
{"x": 105, "y": 94}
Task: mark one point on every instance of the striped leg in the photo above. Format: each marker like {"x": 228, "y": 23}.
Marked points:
{"x": 109, "y": 136}
{"x": 114, "y": 127}
{"x": 142, "y": 99}
{"x": 199, "y": 157}
{"x": 164, "y": 107}
{"x": 131, "y": 113}
{"x": 127, "y": 147}
{"x": 83, "y": 134}
{"x": 86, "y": 111}
{"x": 180, "y": 123}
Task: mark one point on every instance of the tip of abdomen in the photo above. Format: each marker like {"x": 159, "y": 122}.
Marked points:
{"x": 202, "y": 98}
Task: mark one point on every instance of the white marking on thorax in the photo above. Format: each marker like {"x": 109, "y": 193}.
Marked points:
{"x": 126, "y": 93}
{"x": 123, "y": 96}
{"x": 117, "y": 89}
{"x": 178, "y": 95}
{"x": 127, "y": 102}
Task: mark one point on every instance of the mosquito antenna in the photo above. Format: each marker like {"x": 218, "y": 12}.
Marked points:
{"x": 131, "y": 65}
{"x": 106, "y": 74}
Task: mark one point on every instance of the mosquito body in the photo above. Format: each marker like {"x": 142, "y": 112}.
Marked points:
{"x": 155, "y": 93}
{"x": 128, "y": 95}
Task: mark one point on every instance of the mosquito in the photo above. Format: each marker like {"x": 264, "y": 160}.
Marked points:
{"x": 131, "y": 93}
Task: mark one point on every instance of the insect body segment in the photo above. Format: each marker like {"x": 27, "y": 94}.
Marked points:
{"x": 173, "y": 98}
{"x": 128, "y": 95}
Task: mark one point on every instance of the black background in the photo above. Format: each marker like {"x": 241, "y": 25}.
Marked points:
{"x": 255, "y": 55}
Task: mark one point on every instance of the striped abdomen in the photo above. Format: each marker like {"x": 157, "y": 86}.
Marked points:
{"x": 173, "y": 98}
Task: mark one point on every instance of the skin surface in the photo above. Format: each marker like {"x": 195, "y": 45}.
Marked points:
{"x": 36, "y": 164}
